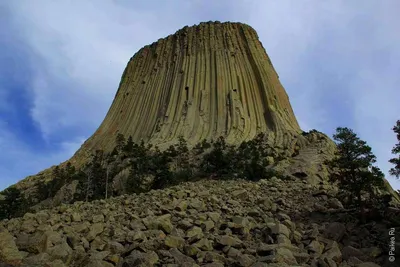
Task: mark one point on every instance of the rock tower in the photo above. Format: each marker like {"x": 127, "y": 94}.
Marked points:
{"x": 205, "y": 81}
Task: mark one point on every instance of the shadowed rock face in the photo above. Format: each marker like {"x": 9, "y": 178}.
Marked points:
{"x": 202, "y": 82}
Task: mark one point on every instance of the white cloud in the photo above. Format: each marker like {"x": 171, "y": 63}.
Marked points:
{"x": 81, "y": 48}
{"x": 361, "y": 40}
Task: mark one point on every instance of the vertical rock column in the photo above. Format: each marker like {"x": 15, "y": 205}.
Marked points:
{"x": 202, "y": 82}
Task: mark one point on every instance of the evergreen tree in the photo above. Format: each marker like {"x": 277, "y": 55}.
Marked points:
{"x": 352, "y": 165}
{"x": 250, "y": 160}
{"x": 120, "y": 142}
{"x": 99, "y": 175}
{"x": 395, "y": 171}
{"x": 184, "y": 168}
{"x": 82, "y": 178}
{"x": 218, "y": 161}
{"x": 95, "y": 185}
{"x": 69, "y": 171}
{"x": 160, "y": 170}
{"x": 139, "y": 168}
{"x": 58, "y": 179}
{"x": 172, "y": 152}
{"x": 108, "y": 162}
{"x": 129, "y": 146}
{"x": 201, "y": 147}
{"x": 13, "y": 203}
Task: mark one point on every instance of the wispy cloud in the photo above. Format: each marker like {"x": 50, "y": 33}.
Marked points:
{"x": 17, "y": 159}
{"x": 338, "y": 60}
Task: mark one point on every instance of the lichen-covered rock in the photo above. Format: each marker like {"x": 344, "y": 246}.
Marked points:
{"x": 9, "y": 252}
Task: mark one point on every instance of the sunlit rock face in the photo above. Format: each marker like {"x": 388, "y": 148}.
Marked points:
{"x": 205, "y": 81}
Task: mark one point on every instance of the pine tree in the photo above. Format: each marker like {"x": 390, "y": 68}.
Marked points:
{"x": 108, "y": 161}
{"x": 129, "y": 146}
{"x": 69, "y": 170}
{"x": 160, "y": 170}
{"x": 352, "y": 165}
{"x": 218, "y": 161}
{"x": 119, "y": 142}
{"x": 95, "y": 185}
{"x": 58, "y": 179}
{"x": 13, "y": 203}
{"x": 184, "y": 168}
{"x": 89, "y": 184}
{"x": 139, "y": 167}
{"x": 395, "y": 171}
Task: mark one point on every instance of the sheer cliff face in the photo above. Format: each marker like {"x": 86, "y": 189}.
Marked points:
{"x": 202, "y": 82}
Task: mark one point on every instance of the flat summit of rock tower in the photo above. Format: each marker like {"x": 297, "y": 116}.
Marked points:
{"x": 205, "y": 81}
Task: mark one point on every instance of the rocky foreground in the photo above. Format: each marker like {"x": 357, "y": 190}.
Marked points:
{"x": 205, "y": 223}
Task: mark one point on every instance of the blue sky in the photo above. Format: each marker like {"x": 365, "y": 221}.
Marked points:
{"x": 61, "y": 62}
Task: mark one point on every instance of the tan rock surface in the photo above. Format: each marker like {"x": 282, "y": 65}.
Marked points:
{"x": 202, "y": 82}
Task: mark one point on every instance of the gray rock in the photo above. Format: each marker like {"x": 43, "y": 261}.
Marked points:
{"x": 95, "y": 229}
{"x": 285, "y": 255}
{"x": 204, "y": 244}
{"x": 335, "y": 203}
{"x": 229, "y": 241}
{"x": 335, "y": 231}
{"x": 214, "y": 216}
{"x": 194, "y": 234}
{"x": 279, "y": 228}
{"x": 174, "y": 241}
{"x": 65, "y": 194}
{"x": 213, "y": 257}
{"x": 244, "y": 260}
{"x": 137, "y": 258}
{"x": 315, "y": 247}
{"x": 98, "y": 263}
{"x": 33, "y": 243}
{"x": 367, "y": 264}
{"x": 301, "y": 258}
{"x": 240, "y": 194}
{"x": 37, "y": 259}
{"x": 180, "y": 257}
{"x": 76, "y": 217}
{"x": 61, "y": 251}
{"x": 115, "y": 247}
{"x": 350, "y": 251}
{"x": 98, "y": 218}
{"x": 8, "y": 249}
{"x": 333, "y": 252}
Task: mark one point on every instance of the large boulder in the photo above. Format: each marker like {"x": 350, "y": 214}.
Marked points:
{"x": 66, "y": 193}
{"x": 9, "y": 252}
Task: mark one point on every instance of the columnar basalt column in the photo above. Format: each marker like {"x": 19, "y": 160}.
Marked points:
{"x": 210, "y": 80}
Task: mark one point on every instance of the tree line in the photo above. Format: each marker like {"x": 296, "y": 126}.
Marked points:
{"x": 150, "y": 168}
